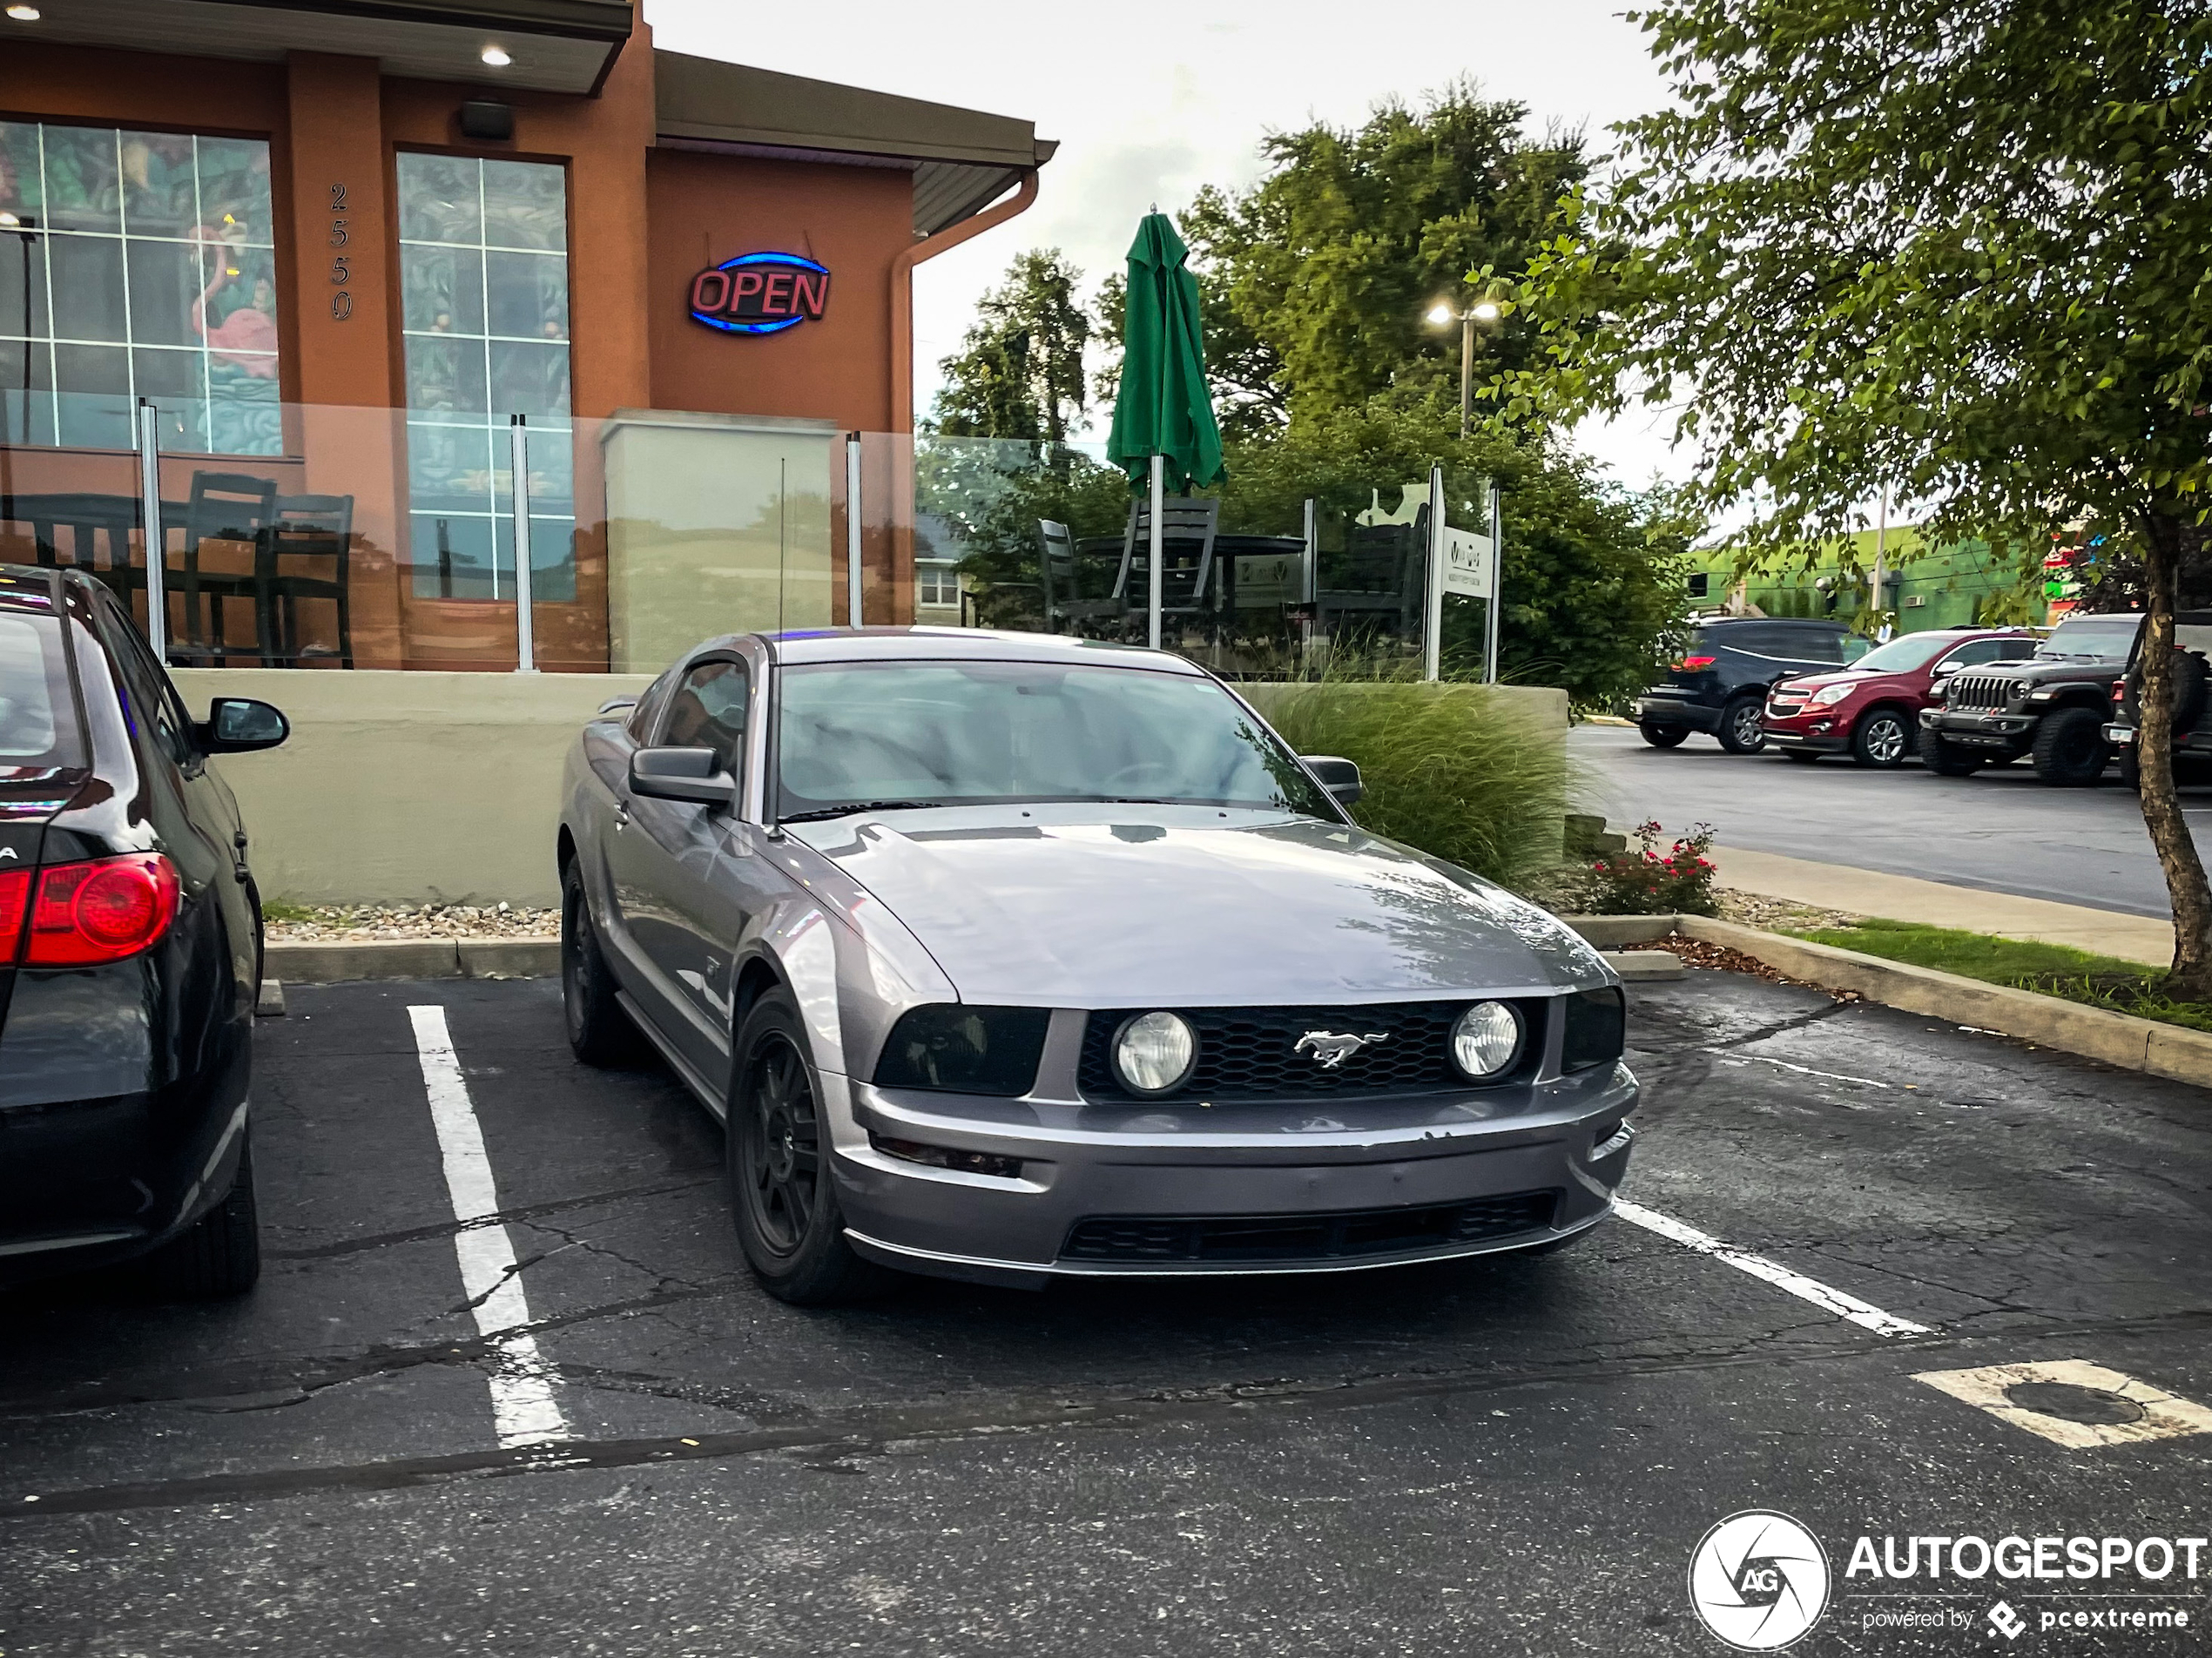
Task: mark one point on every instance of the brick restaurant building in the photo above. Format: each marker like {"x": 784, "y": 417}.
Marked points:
{"x": 340, "y": 247}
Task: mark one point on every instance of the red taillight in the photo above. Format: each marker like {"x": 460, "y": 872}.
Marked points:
{"x": 88, "y": 914}
{"x": 1695, "y": 662}
{"x": 2120, "y": 690}
{"x": 15, "y": 893}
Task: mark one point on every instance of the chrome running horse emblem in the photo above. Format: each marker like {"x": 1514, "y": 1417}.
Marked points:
{"x": 1331, "y": 1049}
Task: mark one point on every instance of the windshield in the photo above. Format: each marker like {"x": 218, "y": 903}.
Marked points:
{"x": 37, "y": 727}
{"x": 2107, "y": 637}
{"x": 960, "y": 734}
{"x": 1901, "y": 655}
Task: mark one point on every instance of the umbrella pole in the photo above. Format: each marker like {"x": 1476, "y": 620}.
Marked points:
{"x": 1159, "y": 512}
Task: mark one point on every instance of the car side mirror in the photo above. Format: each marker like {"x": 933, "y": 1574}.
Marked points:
{"x": 240, "y": 726}
{"x": 692, "y": 775}
{"x": 1339, "y": 776}
{"x": 1943, "y": 668}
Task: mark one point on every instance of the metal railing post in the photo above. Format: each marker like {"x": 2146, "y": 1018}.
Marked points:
{"x": 156, "y": 542}
{"x": 853, "y": 612}
{"x": 1433, "y": 601}
{"x": 525, "y": 635}
{"x": 1157, "y": 549}
{"x": 1491, "y": 605}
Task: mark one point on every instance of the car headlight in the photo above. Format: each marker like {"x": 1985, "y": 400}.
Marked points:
{"x": 1829, "y": 696}
{"x": 1153, "y": 1053}
{"x": 1597, "y": 1028}
{"x": 964, "y": 1050}
{"x": 1485, "y": 1039}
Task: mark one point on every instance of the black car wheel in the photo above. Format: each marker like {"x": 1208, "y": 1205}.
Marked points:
{"x": 2070, "y": 749}
{"x": 783, "y": 1193}
{"x": 1742, "y": 731}
{"x": 1944, "y": 757}
{"x": 1881, "y": 739}
{"x": 599, "y": 1031}
{"x": 2131, "y": 769}
{"x": 220, "y": 1254}
{"x": 1663, "y": 736}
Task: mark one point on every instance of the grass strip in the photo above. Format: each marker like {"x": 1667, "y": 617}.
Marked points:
{"x": 2049, "y": 969}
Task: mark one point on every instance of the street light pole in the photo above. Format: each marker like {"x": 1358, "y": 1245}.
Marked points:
{"x": 1443, "y": 313}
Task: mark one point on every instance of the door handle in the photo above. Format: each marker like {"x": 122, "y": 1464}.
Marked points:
{"x": 622, "y": 815}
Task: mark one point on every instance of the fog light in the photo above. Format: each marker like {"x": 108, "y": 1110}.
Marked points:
{"x": 1153, "y": 1053}
{"x": 1485, "y": 1039}
{"x": 968, "y": 1163}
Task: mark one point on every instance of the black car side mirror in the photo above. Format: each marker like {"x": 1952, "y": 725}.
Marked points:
{"x": 692, "y": 775}
{"x": 240, "y": 726}
{"x": 1339, "y": 776}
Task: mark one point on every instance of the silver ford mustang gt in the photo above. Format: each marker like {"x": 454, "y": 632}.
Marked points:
{"x": 1004, "y": 956}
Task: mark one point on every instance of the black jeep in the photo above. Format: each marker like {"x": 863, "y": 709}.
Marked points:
{"x": 2192, "y": 731}
{"x": 2052, "y": 705}
{"x": 1721, "y": 683}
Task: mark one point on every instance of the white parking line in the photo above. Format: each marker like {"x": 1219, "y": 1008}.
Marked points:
{"x": 1863, "y": 1313}
{"x": 523, "y": 1406}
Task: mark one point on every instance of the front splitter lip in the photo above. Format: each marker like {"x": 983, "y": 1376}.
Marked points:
{"x": 892, "y": 1254}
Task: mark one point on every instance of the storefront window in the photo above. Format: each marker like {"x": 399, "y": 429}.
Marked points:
{"x": 484, "y": 283}
{"x": 137, "y": 265}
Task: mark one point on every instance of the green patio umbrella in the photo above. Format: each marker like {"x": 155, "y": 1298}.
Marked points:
{"x": 1164, "y": 434}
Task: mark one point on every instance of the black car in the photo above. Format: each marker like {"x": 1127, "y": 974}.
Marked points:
{"x": 1721, "y": 683}
{"x": 2052, "y": 705}
{"x": 130, "y": 952}
{"x": 2192, "y": 731}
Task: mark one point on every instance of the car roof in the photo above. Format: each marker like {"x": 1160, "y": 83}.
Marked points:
{"x": 28, "y": 587}
{"x": 799, "y": 646}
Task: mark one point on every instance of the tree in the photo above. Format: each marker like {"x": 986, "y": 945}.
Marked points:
{"x": 1019, "y": 372}
{"x": 1315, "y": 280}
{"x": 1956, "y": 247}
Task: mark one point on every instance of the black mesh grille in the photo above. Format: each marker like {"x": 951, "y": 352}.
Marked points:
{"x": 1252, "y": 1053}
{"x": 1307, "y": 1237}
{"x": 1977, "y": 690}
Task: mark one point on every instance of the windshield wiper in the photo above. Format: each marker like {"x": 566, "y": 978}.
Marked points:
{"x": 851, "y": 807}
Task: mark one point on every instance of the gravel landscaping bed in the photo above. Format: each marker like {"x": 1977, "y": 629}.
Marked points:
{"x": 347, "y": 923}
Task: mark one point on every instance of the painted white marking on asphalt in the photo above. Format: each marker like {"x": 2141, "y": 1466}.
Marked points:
{"x": 1862, "y": 1313}
{"x": 1807, "y": 1070}
{"x": 523, "y": 1407}
{"x": 2159, "y": 1415}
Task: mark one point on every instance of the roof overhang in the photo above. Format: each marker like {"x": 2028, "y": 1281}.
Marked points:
{"x": 961, "y": 159}
{"x": 555, "y": 45}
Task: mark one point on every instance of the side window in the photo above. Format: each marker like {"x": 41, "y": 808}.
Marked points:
{"x": 1701, "y": 584}
{"x": 2015, "y": 649}
{"x": 1975, "y": 653}
{"x": 154, "y": 708}
{"x": 708, "y": 712}
{"x": 1809, "y": 645}
{"x": 640, "y": 722}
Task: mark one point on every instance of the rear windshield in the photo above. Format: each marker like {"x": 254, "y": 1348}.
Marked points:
{"x": 38, "y": 716}
{"x": 2106, "y": 637}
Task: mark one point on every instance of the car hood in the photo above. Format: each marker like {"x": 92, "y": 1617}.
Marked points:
{"x": 1191, "y": 906}
{"x": 2032, "y": 672}
{"x": 1814, "y": 682}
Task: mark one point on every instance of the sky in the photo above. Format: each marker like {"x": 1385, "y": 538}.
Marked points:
{"x": 1149, "y": 106}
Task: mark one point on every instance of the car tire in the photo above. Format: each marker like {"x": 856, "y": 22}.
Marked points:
{"x": 1945, "y": 758}
{"x": 1802, "y": 755}
{"x": 2131, "y": 770}
{"x": 1881, "y": 739}
{"x": 2070, "y": 748}
{"x": 1740, "y": 731}
{"x": 219, "y": 1255}
{"x": 1663, "y": 736}
{"x": 600, "y": 1033}
{"x": 783, "y": 1192}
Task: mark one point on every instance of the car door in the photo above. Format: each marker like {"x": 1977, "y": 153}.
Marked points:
{"x": 672, "y": 868}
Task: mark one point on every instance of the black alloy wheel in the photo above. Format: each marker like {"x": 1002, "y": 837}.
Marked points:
{"x": 1663, "y": 736}
{"x": 783, "y": 1192}
{"x": 1944, "y": 757}
{"x": 1881, "y": 739}
{"x": 2070, "y": 748}
{"x": 1742, "y": 729}
{"x": 599, "y": 1032}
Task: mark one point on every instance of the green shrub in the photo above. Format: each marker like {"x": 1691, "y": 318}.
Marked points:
{"x": 1643, "y": 880}
{"x": 1452, "y": 770}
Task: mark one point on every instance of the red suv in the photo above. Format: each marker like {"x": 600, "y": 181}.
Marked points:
{"x": 1871, "y": 709}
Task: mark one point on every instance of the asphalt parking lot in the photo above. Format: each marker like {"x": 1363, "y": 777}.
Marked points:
{"x": 1494, "y": 1456}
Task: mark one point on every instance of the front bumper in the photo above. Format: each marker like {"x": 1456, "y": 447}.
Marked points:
{"x": 1993, "y": 729}
{"x": 1569, "y": 1137}
{"x": 1816, "y": 732}
{"x": 1660, "y": 709}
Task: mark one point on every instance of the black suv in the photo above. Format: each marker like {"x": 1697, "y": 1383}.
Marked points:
{"x": 1721, "y": 683}
{"x": 2192, "y": 731}
{"x": 2052, "y": 705}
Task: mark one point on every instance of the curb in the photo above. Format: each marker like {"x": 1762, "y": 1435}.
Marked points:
{"x": 348, "y": 961}
{"x": 2170, "y": 1051}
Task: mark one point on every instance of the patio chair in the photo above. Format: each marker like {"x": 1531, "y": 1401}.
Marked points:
{"x": 1187, "y": 586}
{"x": 86, "y": 516}
{"x": 1377, "y": 579}
{"x": 1060, "y": 567}
{"x": 223, "y": 506}
{"x": 303, "y": 528}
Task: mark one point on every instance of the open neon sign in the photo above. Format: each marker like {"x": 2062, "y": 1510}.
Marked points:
{"x": 760, "y": 293}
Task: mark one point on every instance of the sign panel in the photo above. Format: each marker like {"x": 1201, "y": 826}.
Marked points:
{"x": 1467, "y": 562}
{"x": 760, "y": 293}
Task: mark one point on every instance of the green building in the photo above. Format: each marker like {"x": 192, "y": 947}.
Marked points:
{"x": 1954, "y": 586}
